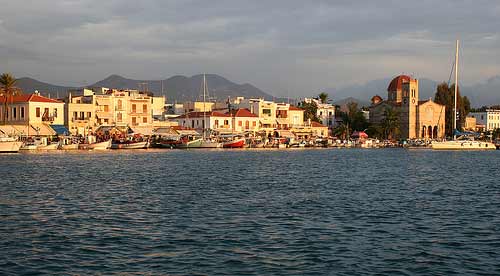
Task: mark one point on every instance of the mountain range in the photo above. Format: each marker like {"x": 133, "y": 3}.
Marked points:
{"x": 182, "y": 88}
{"x": 176, "y": 88}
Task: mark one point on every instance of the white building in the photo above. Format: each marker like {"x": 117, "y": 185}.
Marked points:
{"x": 490, "y": 118}
{"x": 325, "y": 112}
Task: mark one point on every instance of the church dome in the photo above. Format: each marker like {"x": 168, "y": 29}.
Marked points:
{"x": 376, "y": 99}
{"x": 397, "y": 82}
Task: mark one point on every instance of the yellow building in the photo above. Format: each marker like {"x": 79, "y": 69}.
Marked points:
{"x": 32, "y": 114}
{"x": 88, "y": 110}
{"x": 418, "y": 119}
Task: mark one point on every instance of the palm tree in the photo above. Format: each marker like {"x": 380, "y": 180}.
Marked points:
{"x": 8, "y": 91}
{"x": 323, "y": 97}
{"x": 390, "y": 124}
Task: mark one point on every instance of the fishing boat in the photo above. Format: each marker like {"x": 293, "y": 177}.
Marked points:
{"x": 74, "y": 146}
{"x": 465, "y": 142}
{"x": 9, "y": 145}
{"x": 51, "y": 146}
{"x": 236, "y": 143}
{"x": 206, "y": 141}
{"x": 189, "y": 142}
{"x": 96, "y": 146}
{"x": 130, "y": 145}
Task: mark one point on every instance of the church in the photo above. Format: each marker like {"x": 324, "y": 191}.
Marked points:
{"x": 418, "y": 119}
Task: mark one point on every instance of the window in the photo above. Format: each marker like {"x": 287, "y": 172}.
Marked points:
{"x": 144, "y": 108}
{"x": 46, "y": 112}
{"x": 216, "y": 123}
{"x": 55, "y": 112}
{"x": 89, "y": 115}
{"x": 145, "y": 120}
{"x": 134, "y": 108}
{"x": 266, "y": 112}
{"x": 240, "y": 123}
{"x": 120, "y": 105}
{"x": 38, "y": 112}
{"x": 14, "y": 113}
{"x": 134, "y": 121}
{"x": 119, "y": 117}
{"x": 22, "y": 112}
{"x": 247, "y": 124}
{"x": 82, "y": 115}
{"x": 226, "y": 122}
{"x": 106, "y": 108}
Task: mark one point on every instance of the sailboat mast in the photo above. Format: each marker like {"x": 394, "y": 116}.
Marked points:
{"x": 456, "y": 90}
{"x": 204, "y": 108}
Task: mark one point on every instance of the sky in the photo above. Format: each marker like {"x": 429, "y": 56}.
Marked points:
{"x": 286, "y": 48}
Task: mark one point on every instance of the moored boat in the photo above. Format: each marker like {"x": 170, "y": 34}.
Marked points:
{"x": 236, "y": 143}
{"x": 187, "y": 144}
{"x": 9, "y": 145}
{"x": 130, "y": 145}
{"x": 70, "y": 146}
{"x": 96, "y": 146}
{"x": 463, "y": 145}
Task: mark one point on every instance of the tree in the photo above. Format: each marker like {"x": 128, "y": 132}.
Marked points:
{"x": 445, "y": 96}
{"x": 391, "y": 124}
{"x": 323, "y": 97}
{"x": 353, "y": 119}
{"x": 310, "y": 111}
{"x": 8, "y": 91}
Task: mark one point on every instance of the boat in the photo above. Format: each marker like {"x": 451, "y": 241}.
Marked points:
{"x": 10, "y": 145}
{"x": 190, "y": 142}
{"x": 51, "y": 146}
{"x": 465, "y": 142}
{"x": 130, "y": 145}
{"x": 236, "y": 143}
{"x": 206, "y": 141}
{"x": 96, "y": 146}
{"x": 70, "y": 146}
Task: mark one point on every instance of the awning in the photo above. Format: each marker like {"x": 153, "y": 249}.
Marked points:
{"x": 282, "y": 121}
{"x": 143, "y": 130}
{"x": 42, "y": 130}
{"x": 187, "y": 132}
{"x": 60, "y": 129}
{"x": 286, "y": 134}
{"x": 8, "y": 130}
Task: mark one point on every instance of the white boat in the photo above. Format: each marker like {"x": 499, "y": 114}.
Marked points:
{"x": 466, "y": 143}
{"x": 9, "y": 144}
{"x": 463, "y": 145}
{"x": 131, "y": 145}
{"x": 96, "y": 146}
{"x": 70, "y": 146}
{"x": 210, "y": 144}
{"x": 53, "y": 146}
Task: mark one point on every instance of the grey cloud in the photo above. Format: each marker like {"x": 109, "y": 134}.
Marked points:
{"x": 280, "y": 46}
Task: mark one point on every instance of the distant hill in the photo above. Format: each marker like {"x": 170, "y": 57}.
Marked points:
{"x": 29, "y": 85}
{"x": 182, "y": 88}
{"x": 176, "y": 88}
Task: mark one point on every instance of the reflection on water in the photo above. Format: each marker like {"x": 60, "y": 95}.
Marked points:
{"x": 250, "y": 212}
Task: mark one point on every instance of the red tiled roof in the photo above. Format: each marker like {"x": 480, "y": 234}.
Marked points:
{"x": 242, "y": 112}
{"x": 397, "y": 82}
{"x": 181, "y": 128}
{"x": 316, "y": 124}
{"x": 30, "y": 98}
{"x": 200, "y": 114}
{"x": 295, "y": 108}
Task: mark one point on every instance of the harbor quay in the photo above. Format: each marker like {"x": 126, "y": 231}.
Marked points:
{"x": 99, "y": 118}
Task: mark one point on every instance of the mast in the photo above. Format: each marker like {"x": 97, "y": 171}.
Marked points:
{"x": 456, "y": 92}
{"x": 204, "y": 108}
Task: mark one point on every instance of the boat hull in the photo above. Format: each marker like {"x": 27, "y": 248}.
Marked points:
{"x": 210, "y": 144}
{"x": 10, "y": 146}
{"x": 463, "y": 145}
{"x": 136, "y": 145}
{"x": 48, "y": 147}
{"x": 96, "y": 146}
{"x": 191, "y": 144}
{"x": 70, "y": 147}
{"x": 239, "y": 143}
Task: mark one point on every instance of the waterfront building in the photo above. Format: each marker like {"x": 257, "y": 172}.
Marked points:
{"x": 244, "y": 120}
{"x": 213, "y": 120}
{"x": 418, "y": 119}
{"x": 265, "y": 110}
{"x": 325, "y": 112}
{"x": 32, "y": 114}
{"x": 87, "y": 109}
{"x": 490, "y": 118}
{"x": 470, "y": 123}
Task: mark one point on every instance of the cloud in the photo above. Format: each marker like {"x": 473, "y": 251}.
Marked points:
{"x": 285, "y": 47}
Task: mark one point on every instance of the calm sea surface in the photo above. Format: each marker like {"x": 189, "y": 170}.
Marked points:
{"x": 250, "y": 212}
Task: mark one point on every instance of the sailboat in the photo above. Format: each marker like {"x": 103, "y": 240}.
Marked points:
{"x": 206, "y": 141}
{"x": 9, "y": 144}
{"x": 464, "y": 142}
